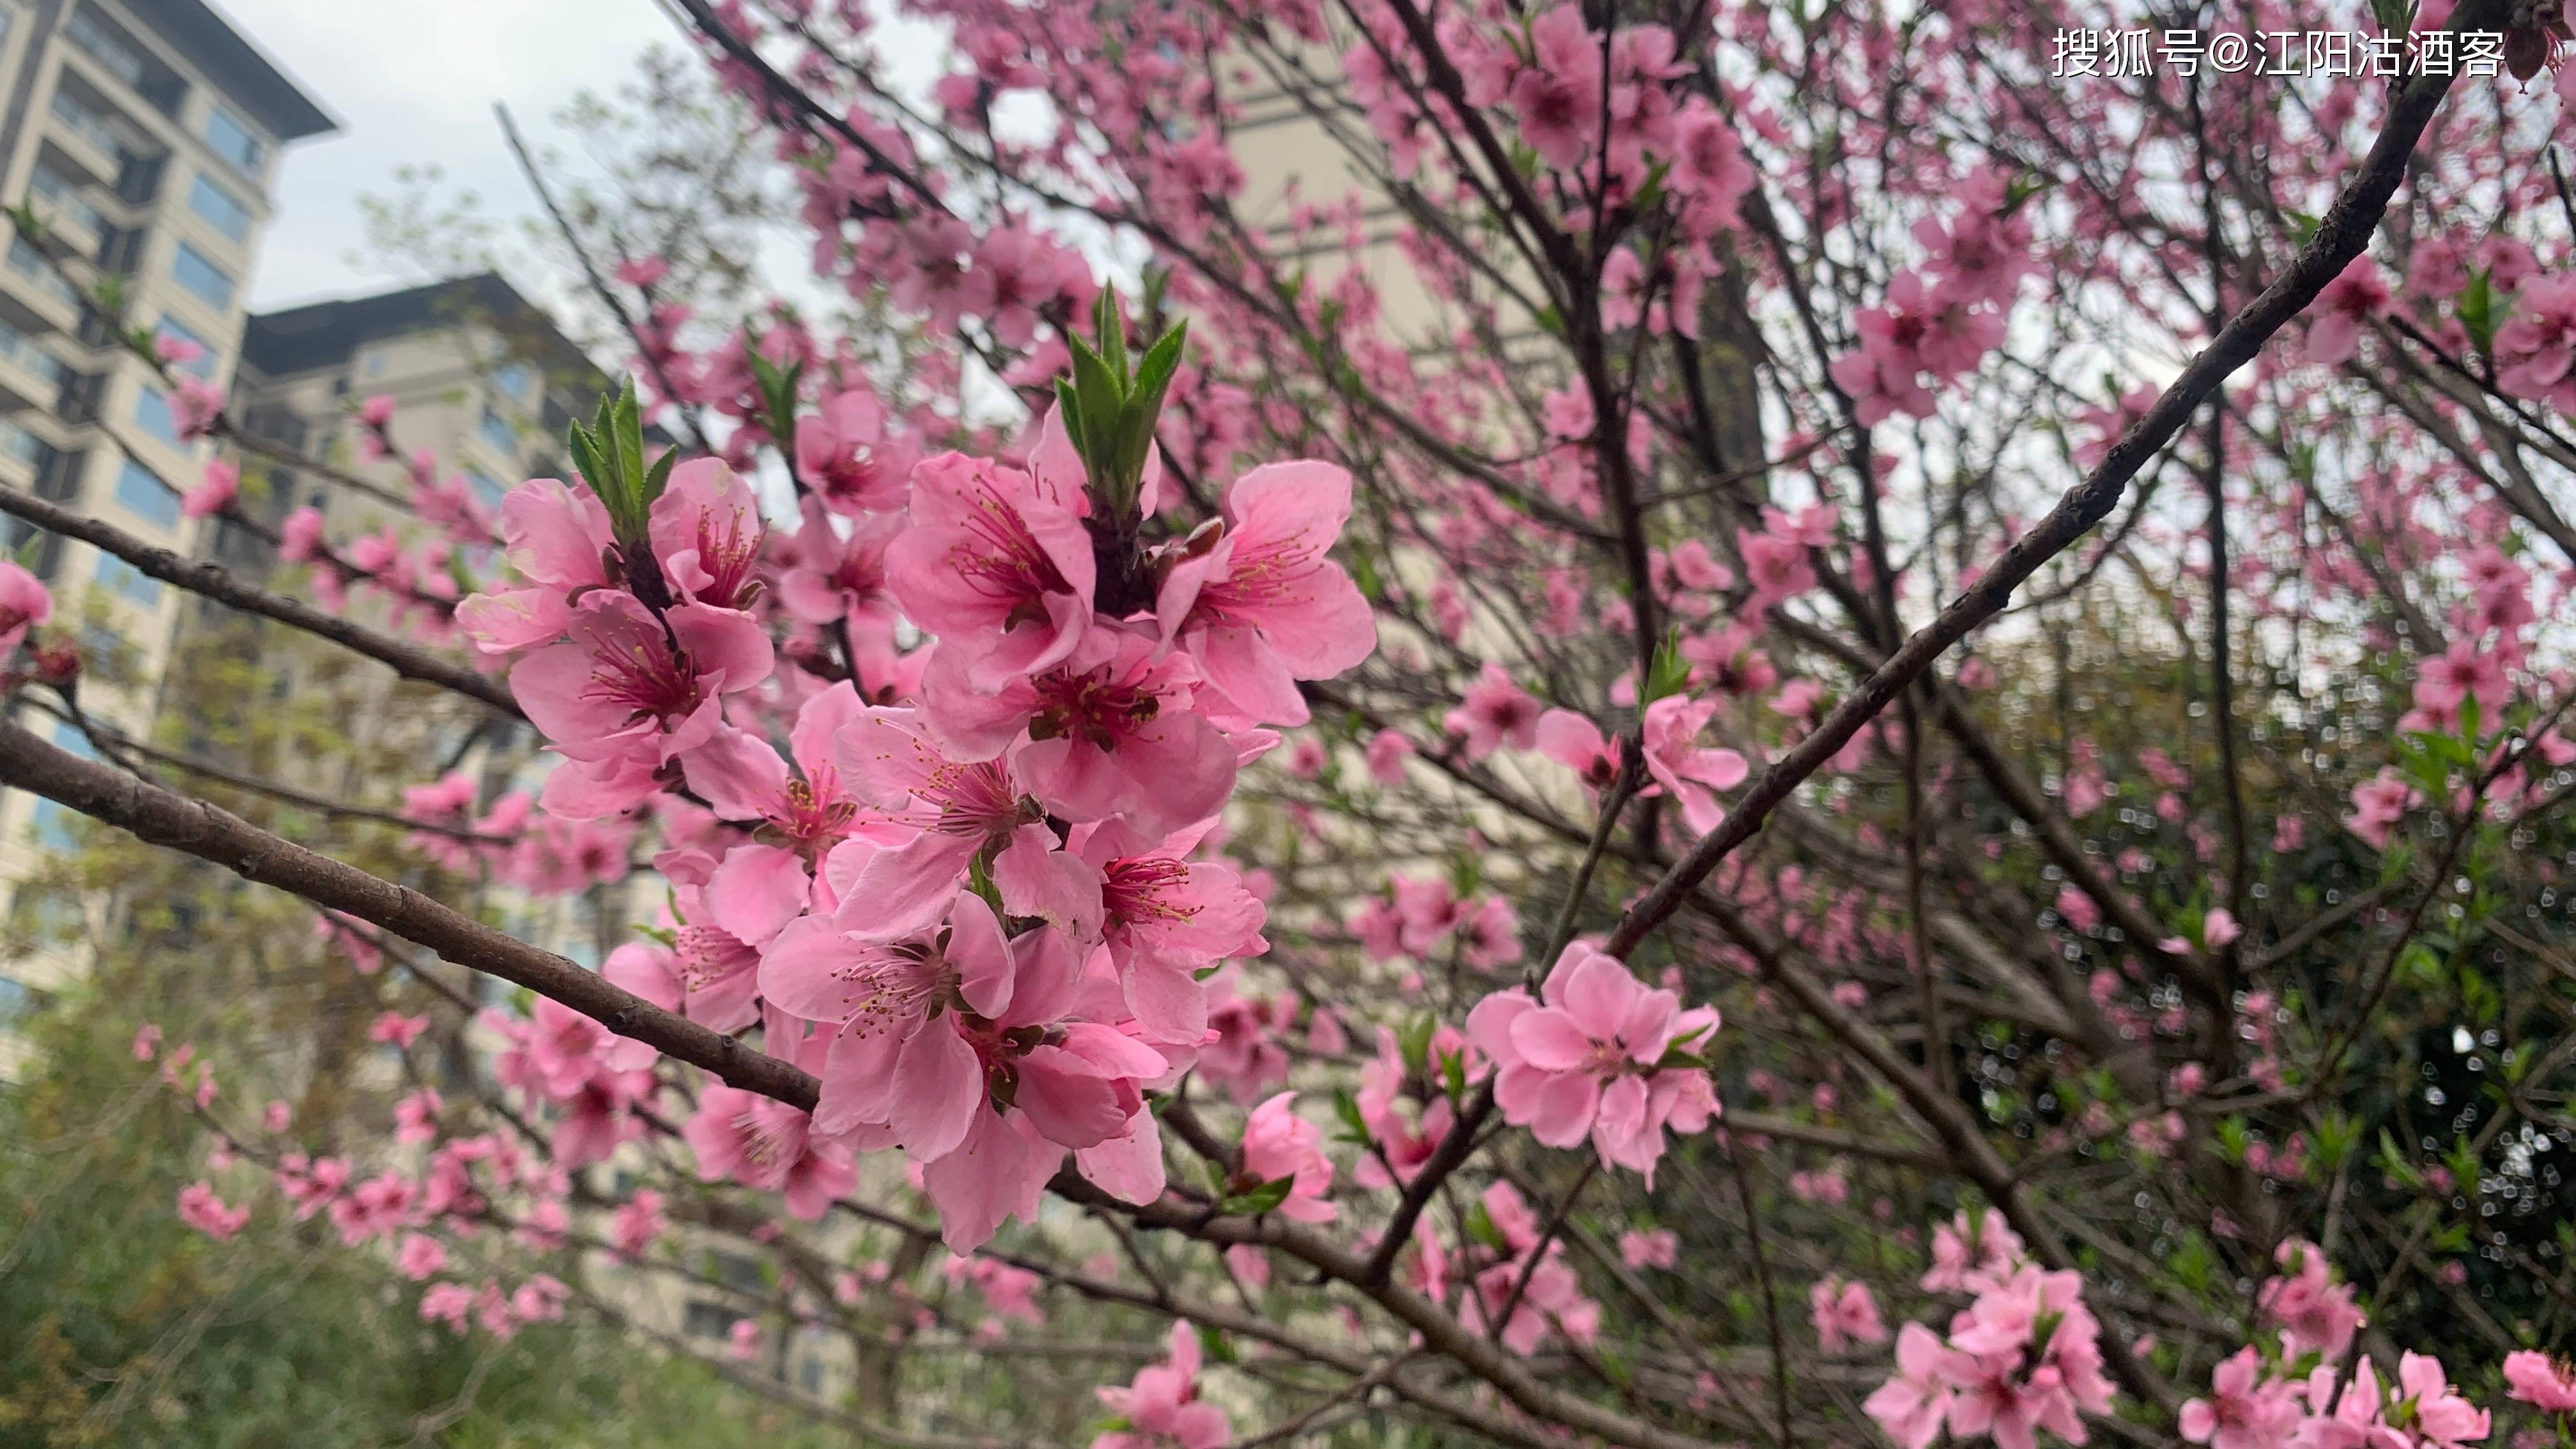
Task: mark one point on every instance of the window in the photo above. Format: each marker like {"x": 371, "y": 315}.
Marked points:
{"x": 16, "y": 442}
{"x": 147, "y": 498}
{"x": 512, "y": 381}
{"x": 128, "y": 581}
{"x": 203, "y": 364}
{"x": 21, "y": 349}
{"x": 63, "y": 203}
{"x": 109, "y": 51}
{"x": 31, "y": 264}
{"x": 202, "y": 277}
{"x": 702, "y": 1319}
{"x": 233, "y": 141}
{"x": 152, "y": 412}
{"x": 85, "y": 123}
{"x": 221, "y": 209}
{"x": 499, "y": 433}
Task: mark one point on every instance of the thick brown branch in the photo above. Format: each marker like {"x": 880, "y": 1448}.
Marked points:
{"x": 214, "y": 581}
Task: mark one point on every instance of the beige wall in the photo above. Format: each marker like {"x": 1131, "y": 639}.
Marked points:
{"x": 69, "y": 170}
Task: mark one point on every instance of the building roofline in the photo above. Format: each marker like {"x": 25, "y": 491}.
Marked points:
{"x": 238, "y": 65}
{"x": 323, "y": 333}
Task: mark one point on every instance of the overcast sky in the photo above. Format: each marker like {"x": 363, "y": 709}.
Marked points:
{"x": 415, "y": 84}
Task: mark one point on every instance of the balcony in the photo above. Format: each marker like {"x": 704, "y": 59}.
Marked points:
{"x": 22, "y": 455}
{"x": 30, "y": 377}
{"x": 36, "y": 295}
{"x": 83, "y": 138}
{"x": 112, "y": 54}
{"x": 65, "y": 211}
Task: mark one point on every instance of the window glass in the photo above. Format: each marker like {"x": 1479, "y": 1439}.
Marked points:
{"x": 125, "y": 579}
{"x": 486, "y": 488}
{"x": 498, "y": 432}
{"x": 144, "y": 496}
{"x": 202, "y": 277}
{"x": 233, "y": 141}
{"x": 220, "y": 208}
{"x": 152, "y": 411}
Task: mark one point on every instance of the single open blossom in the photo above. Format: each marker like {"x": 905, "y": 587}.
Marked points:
{"x": 2535, "y": 349}
{"x": 2541, "y": 1381}
{"x": 889, "y": 761}
{"x": 2358, "y": 294}
{"x": 1972, "y": 1252}
{"x": 1165, "y": 917}
{"x": 221, "y": 485}
{"x": 997, "y": 564}
{"x": 845, "y": 453}
{"x": 2378, "y": 804}
{"x": 1110, "y": 731}
{"x": 629, "y": 693}
{"x": 1918, "y": 332}
{"x": 1585, "y": 1059}
{"x": 195, "y": 407}
{"x": 557, "y": 538}
{"x": 1278, "y": 1143}
{"x": 742, "y": 778}
{"x": 1558, "y": 95}
{"x": 2245, "y": 1409}
{"x": 1495, "y": 712}
{"x": 837, "y": 580}
{"x": 1843, "y": 1314}
{"x": 1684, "y": 768}
{"x": 1915, "y": 1402}
{"x": 1261, "y": 605}
{"x": 706, "y": 534}
{"x": 753, "y": 1140}
{"x": 1161, "y": 1406}
{"x": 881, "y": 995}
{"x": 2313, "y": 1312}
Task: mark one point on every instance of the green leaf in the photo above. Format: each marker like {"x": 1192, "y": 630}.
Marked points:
{"x": 1217, "y": 1344}
{"x": 1354, "y": 1125}
{"x": 1109, "y": 324}
{"x": 1670, "y": 672}
{"x": 659, "y": 476}
{"x": 1480, "y": 1226}
{"x": 1070, "y": 413}
{"x": 2477, "y": 308}
{"x": 1414, "y": 1040}
{"x": 1259, "y": 1200}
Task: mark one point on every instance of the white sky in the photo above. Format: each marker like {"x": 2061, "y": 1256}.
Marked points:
{"x": 414, "y": 84}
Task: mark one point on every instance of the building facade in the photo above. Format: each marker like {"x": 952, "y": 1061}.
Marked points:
{"x": 145, "y": 134}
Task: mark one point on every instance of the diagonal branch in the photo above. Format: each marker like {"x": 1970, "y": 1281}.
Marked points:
{"x": 2343, "y": 235}
{"x": 220, "y": 584}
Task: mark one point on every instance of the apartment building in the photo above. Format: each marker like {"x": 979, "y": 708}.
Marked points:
{"x": 484, "y": 382}
{"x": 146, "y": 134}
